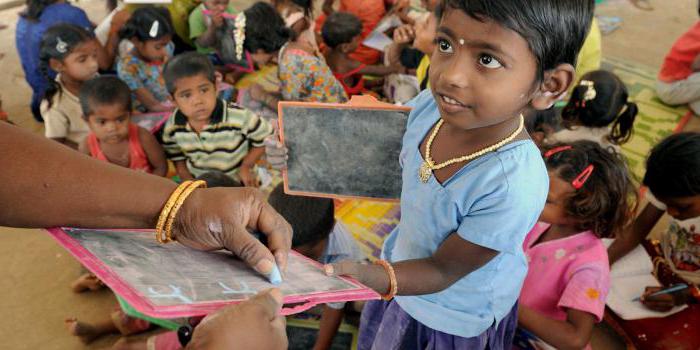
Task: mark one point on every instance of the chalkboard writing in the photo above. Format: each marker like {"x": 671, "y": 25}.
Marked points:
{"x": 133, "y": 263}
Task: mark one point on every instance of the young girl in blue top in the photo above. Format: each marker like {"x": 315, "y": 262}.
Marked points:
{"x": 474, "y": 183}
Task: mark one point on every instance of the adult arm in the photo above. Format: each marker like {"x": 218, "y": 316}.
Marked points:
{"x": 61, "y": 187}
{"x": 636, "y": 233}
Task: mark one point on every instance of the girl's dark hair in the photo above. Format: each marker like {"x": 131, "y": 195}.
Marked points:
{"x": 142, "y": 20}
{"x": 265, "y": 29}
{"x": 673, "y": 166}
{"x": 340, "y": 28}
{"x": 104, "y": 90}
{"x": 311, "y": 218}
{"x": 57, "y": 43}
{"x": 35, "y": 8}
{"x": 554, "y": 29}
{"x": 610, "y": 106}
{"x": 606, "y": 202}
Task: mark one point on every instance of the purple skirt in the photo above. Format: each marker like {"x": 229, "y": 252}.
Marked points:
{"x": 385, "y": 326}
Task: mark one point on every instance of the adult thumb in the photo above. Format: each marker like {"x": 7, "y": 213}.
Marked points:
{"x": 249, "y": 249}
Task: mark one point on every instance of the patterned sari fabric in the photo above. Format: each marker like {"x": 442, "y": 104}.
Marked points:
{"x": 305, "y": 77}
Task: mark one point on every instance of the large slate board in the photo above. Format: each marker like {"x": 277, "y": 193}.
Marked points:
{"x": 343, "y": 152}
{"x": 173, "y": 280}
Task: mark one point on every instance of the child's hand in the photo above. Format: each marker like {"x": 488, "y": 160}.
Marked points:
{"x": 404, "y": 34}
{"x": 275, "y": 152}
{"x": 248, "y": 177}
{"x": 661, "y": 303}
{"x": 253, "y": 324}
{"x": 257, "y": 92}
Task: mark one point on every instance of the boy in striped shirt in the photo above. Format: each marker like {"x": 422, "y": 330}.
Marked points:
{"x": 204, "y": 133}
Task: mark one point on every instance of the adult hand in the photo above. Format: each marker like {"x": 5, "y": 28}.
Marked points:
{"x": 218, "y": 218}
{"x": 253, "y": 324}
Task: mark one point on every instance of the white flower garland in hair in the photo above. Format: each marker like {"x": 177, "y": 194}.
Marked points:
{"x": 239, "y": 35}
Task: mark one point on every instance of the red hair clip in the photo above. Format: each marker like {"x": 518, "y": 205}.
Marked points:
{"x": 581, "y": 179}
{"x": 556, "y": 150}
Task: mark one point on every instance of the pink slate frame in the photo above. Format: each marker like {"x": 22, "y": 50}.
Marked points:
{"x": 142, "y": 304}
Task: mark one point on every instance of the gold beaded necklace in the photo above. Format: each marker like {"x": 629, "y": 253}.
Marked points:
{"x": 428, "y": 166}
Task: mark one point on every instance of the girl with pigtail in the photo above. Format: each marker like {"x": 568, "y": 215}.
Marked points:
{"x": 599, "y": 110}
{"x": 72, "y": 52}
{"x": 151, "y": 31}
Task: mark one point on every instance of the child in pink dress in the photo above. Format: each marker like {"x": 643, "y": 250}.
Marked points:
{"x": 564, "y": 292}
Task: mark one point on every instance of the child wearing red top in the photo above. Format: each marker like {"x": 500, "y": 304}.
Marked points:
{"x": 106, "y": 105}
{"x": 679, "y": 79}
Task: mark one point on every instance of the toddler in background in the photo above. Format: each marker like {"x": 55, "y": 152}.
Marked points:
{"x": 72, "y": 52}
{"x": 106, "y": 106}
{"x": 563, "y": 296}
{"x": 150, "y": 30}
{"x": 318, "y": 236}
{"x": 673, "y": 181}
{"x": 599, "y": 110}
{"x": 677, "y": 82}
{"x": 203, "y": 27}
{"x": 342, "y": 34}
{"x": 370, "y": 12}
{"x": 204, "y": 133}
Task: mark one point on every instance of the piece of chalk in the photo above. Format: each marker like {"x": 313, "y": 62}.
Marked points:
{"x": 275, "y": 276}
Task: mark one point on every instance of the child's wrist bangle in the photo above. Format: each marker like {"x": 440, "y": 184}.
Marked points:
{"x": 695, "y": 292}
{"x": 393, "y": 285}
{"x": 164, "y": 226}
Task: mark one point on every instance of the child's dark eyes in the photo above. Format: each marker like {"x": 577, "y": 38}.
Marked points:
{"x": 444, "y": 46}
{"x": 489, "y": 61}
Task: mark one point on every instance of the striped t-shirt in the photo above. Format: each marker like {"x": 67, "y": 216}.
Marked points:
{"x": 221, "y": 145}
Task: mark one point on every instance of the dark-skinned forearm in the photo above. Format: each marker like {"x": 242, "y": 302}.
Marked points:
{"x": 48, "y": 185}
{"x": 560, "y": 334}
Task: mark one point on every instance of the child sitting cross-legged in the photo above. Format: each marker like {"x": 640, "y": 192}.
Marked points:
{"x": 205, "y": 133}
{"x": 106, "y": 105}
{"x": 318, "y": 236}
{"x": 342, "y": 34}
{"x": 563, "y": 296}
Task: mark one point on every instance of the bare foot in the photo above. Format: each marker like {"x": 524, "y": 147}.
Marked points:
{"x": 86, "y": 282}
{"x": 84, "y": 331}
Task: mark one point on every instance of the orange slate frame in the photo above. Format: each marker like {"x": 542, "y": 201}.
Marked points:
{"x": 356, "y": 102}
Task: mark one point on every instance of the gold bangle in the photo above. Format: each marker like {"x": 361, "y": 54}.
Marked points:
{"x": 167, "y": 208}
{"x": 393, "y": 284}
{"x": 176, "y": 207}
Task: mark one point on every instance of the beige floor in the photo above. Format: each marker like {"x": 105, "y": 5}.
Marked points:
{"x": 35, "y": 294}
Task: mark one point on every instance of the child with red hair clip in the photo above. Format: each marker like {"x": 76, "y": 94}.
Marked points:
{"x": 563, "y": 296}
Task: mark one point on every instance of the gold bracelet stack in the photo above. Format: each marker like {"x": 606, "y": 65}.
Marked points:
{"x": 393, "y": 284}
{"x": 164, "y": 227}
